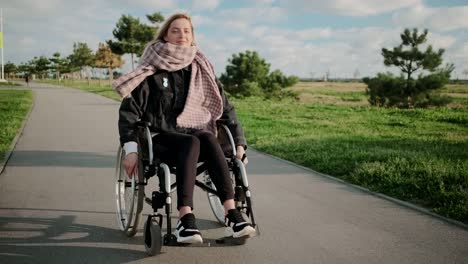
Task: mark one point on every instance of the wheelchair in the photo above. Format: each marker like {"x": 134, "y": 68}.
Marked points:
{"x": 130, "y": 193}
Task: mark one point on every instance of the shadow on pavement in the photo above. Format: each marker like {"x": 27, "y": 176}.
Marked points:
{"x": 61, "y": 159}
{"x": 60, "y": 240}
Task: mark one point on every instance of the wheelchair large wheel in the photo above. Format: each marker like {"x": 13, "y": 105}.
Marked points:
{"x": 243, "y": 203}
{"x": 129, "y": 197}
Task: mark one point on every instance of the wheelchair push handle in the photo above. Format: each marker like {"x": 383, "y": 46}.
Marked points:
{"x": 145, "y": 125}
{"x": 226, "y": 122}
{"x": 142, "y": 124}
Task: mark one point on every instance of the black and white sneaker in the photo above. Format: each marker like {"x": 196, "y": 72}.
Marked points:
{"x": 236, "y": 226}
{"x": 187, "y": 231}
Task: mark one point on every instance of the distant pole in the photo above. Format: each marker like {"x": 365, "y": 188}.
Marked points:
{"x": 1, "y": 44}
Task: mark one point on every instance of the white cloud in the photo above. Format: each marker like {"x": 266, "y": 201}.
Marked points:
{"x": 29, "y": 34}
{"x": 298, "y": 53}
{"x": 440, "y": 41}
{"x": 314, "y": 33}
{"x": 198, "y": 5}
{"x": 37, "y": 6}
{"x": 348, "y": 7}
{"x": 263, "y": 26}
{"x": 443, "y": 18}
{"x": 464, "y": 51}
{"x": 198, "y": 21}
{"x": 262, "y": 2}
{"x": 156, "y": 5}
{"x": 252, "y": 15}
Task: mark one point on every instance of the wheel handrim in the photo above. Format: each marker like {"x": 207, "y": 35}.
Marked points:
{"x": 125, "y": 192}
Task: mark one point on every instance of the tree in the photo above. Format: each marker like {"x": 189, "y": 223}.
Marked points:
{"x": 326, "y": 76}
{"x": 104, "y": 58}
{"x": 244, "y": 73}
{"x": 59, "y": 64}
{"x": 81, "y": 57}
{"x": 248, "y": 74}
{"x": 356, "y": 74}
{"x": 24, "y": 68}
{"x": 10, "y": 68}
{"x": 277, "y": 80}
{"x": 155, "y": 18}
{"x": 409, "y": 58}
{"x": 132, "y": 35}
{"x": 39, "y": 65}
{"x": 465, "y": 72}
{"x": 405, "y": 91}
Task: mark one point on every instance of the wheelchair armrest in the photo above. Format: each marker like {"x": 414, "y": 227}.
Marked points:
{"x": 226, "y": 122}
{"x": 142, "y": 124}
{"x": 146, "y": 138}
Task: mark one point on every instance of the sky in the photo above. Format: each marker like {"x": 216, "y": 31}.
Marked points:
{"x": 306, "y": 38}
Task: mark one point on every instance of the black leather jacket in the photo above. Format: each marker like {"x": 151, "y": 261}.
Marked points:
{"x": 159, "y": 99}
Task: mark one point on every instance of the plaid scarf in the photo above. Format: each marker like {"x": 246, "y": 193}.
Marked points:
{"x": 204, "y": 104}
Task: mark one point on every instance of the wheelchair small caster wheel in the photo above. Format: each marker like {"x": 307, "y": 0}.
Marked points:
{"x": 152, "y": 237}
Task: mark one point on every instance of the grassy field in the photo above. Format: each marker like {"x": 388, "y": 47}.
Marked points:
{"x": 9, "y": 84}
{"x": 354, "y": 94}
{"x": 418, "y": 155}
{"x": 14, "y": 105}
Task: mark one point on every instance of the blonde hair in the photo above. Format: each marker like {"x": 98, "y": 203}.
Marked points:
{"x": 167, "y": 24}
{"x": 162, "y": 32}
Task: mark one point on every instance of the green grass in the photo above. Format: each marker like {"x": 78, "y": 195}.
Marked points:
{"x": 9, "y": 84}
{"x": 418, "y": 155}
{"x": 14, "y": 105}
{"x": 456, "y": 88}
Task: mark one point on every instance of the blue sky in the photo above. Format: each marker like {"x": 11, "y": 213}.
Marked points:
{"x": 302, "y": 37}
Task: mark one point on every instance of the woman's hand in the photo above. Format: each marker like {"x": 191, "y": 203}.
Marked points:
{"x": 240, "y": 153}
{"x": 131, "y": 164}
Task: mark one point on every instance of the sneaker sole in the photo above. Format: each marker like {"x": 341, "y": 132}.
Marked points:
{"x": 247, "y": 231}
{"x": 190, "y": 240}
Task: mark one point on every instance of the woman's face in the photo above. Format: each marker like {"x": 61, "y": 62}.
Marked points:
{"x": 180, "y": 33}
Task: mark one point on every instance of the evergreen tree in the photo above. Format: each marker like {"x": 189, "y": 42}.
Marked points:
{"x": 132, "y": 35}
{"x": 405, "y": 91}
{"x": 40, "y": 66}
{"x": 59, "y": 64}
{"x": 409, "y": 58}
{"x": 10, "y": 68}
{"x": 248, "y": 74}
{"x": 81, "y": 57}
{"x": 245, "y": 73}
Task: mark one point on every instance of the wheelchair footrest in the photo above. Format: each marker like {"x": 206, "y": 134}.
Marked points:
{"x": 177, "y": 244}
{"x": 232, "y": 241}
{"x": 171, "y": 241}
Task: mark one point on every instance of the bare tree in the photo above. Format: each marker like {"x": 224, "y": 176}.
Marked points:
{"x": 326, "y": 77}
{"x": 465, "y": 72}
{"x": 356, "y": 74}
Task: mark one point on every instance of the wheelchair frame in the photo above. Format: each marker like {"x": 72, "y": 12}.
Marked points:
{"x": 130, "y": 193}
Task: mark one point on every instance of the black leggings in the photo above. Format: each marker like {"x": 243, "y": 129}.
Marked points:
{"x": 186, "y": 150}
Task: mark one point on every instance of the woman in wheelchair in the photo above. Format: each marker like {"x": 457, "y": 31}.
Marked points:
{"x": 175, "y": 89}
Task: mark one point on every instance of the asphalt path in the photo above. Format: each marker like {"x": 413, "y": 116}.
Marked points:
{"x": 57, "y": 204}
